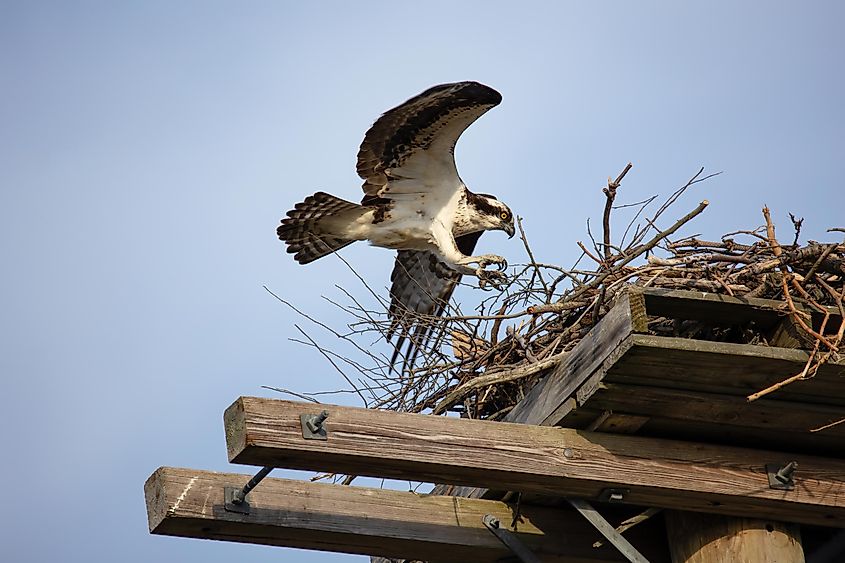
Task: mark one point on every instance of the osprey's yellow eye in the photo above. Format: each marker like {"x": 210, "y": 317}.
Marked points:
{"x": 504, "y": 215}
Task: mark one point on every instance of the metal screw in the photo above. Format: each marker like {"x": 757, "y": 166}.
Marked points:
{"x": 784, "y": 474}
{"x": 316, "y": 424}
{"x": 240, "y": 496}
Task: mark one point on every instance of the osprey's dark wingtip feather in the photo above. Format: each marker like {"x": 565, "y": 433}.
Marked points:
{"x": 467, "y": 90}
{"x": 436, "y": 117}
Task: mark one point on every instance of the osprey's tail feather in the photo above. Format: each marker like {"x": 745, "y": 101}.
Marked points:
{"x": 315, "y": 227}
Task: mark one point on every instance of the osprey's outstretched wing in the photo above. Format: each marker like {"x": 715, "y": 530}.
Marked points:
{"x": 421, "y": 286}
{"x": 416, "y": 140}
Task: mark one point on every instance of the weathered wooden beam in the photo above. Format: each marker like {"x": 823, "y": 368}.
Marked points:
{"x": 681, "y": 364}
{"x": 189, "y": 503}
{"x": 618, "y": 349}
{"x": 680, "y": 404}
{"x": 721, "y": 367}
{"x": 546, "y": 399}
{"x": 535, "y": 459}
{"x": 706, "y": 416}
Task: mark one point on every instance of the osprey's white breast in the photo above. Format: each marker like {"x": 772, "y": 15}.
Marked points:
{"x": 417, "y": 218}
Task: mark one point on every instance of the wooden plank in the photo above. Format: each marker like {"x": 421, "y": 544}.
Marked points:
{"x": 816, "y": 444}
{"x": 788, "y": 333}
{"x": 731, "y": 410}
{"x": 722, "y": 309}
{"x": 189, "y": 503}
{"x": 618, "y": 423}
{"x": 719, "y": 367}
{"x": 625, "y": 318}
{"x": 705, "y": 538}
{"x": 561, "y": 398}
{"x": 714, "y": 417}
{"x": 619, "y": 346}
{"x": 535, "y": 459}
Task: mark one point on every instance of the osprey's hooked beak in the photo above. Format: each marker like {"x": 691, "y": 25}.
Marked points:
{"x": 510, "y": 229}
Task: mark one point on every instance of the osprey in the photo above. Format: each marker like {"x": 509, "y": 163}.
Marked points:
{"x": 414, "y": 202}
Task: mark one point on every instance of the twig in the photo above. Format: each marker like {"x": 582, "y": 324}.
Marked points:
{"x": 323, "y": 352}
{"x": 770, "y": 232}
{"x": 799, "y": 376}
{"x": 537, "y": 270}
{"x": 495, "y": 378}
{"x": 826, "y": 426}
{"x": 610, "y": 193}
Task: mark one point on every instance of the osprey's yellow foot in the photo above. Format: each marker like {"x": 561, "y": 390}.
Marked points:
{"x": 485, "y": 260}
{"x": 493, "y": 278}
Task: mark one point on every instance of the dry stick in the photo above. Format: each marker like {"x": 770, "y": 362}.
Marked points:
{"x": 610, "y": 192}
{"x": 794, "y": 378}
{"x": 631, "y": 522}
{"x": 822, "y": 257}
{"x": 349, "y": 381}
{"x": 537, "y": 271}
{"x": 642, "y": 249}
{"x": 826, "y": 426}
{"x": 776, "y": 249}
{"x": 770, "y": 232}
{"x": 595, "y": 258}
{"x": 493, "y": 378}
{"x": 797, "y": 315}
{"x": 289, "y": 392}
{"x": 796, "y": 224}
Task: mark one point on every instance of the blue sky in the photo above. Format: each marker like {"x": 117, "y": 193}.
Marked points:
{"x": 148, "y": 150}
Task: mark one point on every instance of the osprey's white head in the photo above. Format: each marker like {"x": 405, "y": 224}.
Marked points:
{"x": 482, "y": 212}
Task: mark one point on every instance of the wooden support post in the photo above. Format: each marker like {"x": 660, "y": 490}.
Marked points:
{"x": 536, "y": 459}
{"x": 190, "y": 503}
{"x": 708, "y": 538}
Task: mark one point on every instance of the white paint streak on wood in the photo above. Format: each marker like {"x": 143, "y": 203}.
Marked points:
{"x": 182, "y": 496}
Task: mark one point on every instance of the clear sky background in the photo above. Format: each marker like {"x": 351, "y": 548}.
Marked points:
{"x": 148, "y": 150}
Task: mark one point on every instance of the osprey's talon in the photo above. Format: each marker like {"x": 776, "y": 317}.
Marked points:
{"x": 494, "y": 278}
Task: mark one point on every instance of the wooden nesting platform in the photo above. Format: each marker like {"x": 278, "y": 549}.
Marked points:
{"x": 622, "y": 379}
{"x": 702, "y": 452}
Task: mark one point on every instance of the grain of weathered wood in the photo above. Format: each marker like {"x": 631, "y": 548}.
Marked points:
{"x": 719, "y": 367}
{"x": 713, "y": 417}
{"x": 705, "y": 538}
{"x": 625, "y": 318}
{"x": 618, "y": 423}
{"x": 189, "y": 503}
{"x": 536, "y": 459}
{"x": 619, "y": 347}
{"x": 679, "y": 404}
{"x": 788, "y": 333}
{"x": 621, "y": 353}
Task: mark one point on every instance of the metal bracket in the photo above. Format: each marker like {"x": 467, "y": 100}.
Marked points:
{"x": 229, "y": 504}
{"x": 780, "y": 475}
{"x": 613, "y": 495}
{"x": 510, "y": 540}
{"x": 607, "y": 530}
{"x": 312, "y": 426}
